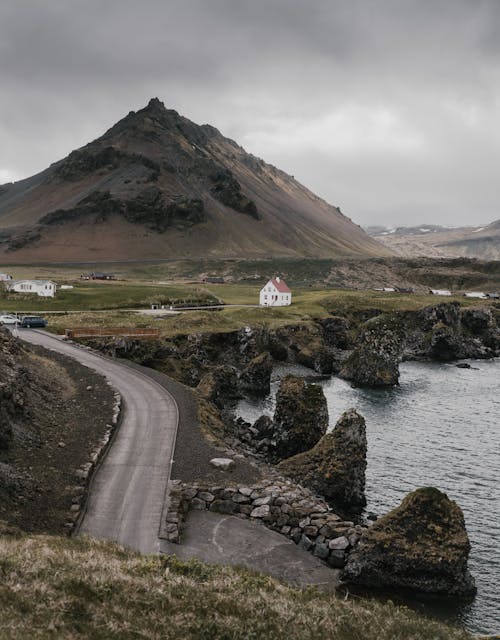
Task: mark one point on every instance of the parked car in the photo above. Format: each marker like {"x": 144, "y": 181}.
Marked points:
{"x": 33, "y": 321}
{"x": 8, "y": 318}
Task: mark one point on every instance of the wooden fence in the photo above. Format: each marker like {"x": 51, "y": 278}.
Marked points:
{"x": 129, "y": 332}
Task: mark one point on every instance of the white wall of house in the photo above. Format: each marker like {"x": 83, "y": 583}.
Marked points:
{"x": 42, "y": 288}
{"x": 270, "y": 296}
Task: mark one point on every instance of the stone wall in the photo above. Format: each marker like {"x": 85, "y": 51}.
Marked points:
{"x": 278, "y": 504}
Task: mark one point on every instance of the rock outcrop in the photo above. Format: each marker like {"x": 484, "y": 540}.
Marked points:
{"x": 255, "y": 379}
{"x": 335, "y": 467}
{"x": 219, "y": 385}
{"x": 301, "y": 417}
{"x": 375, "y": 361}
{"x": 422, "y": 546}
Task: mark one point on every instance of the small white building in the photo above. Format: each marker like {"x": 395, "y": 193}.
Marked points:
{"x": 42, "y": 288}
{"x": 5, "y": 277}
{"x": 475, "y": 294}
{"x": 440, "y": 292}
{"x": 275, "y": 294}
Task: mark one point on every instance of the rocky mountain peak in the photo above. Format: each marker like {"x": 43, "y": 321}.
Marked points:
{"x": 157, "y": 169}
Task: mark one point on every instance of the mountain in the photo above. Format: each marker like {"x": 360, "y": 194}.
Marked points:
{"x": 157, "y": 185}
{"x": 441, "y": 242}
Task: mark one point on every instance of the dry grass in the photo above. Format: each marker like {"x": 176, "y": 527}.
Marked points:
{"x": 57, "y": 588}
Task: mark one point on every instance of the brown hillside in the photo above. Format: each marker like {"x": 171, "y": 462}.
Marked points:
{"x": 156, "y": 185}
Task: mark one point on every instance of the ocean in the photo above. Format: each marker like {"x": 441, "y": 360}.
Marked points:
{"x": 440, "y": 427}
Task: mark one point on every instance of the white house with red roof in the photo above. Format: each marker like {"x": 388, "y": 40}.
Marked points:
{"x": 275, "y": 294}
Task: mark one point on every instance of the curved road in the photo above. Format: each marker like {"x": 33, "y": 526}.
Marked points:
{"x": 129, "y": 487}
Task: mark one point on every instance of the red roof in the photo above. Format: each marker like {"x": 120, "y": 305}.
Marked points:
{"x": 281, "y": 285}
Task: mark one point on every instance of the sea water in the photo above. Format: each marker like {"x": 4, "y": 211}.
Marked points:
{"x": 440, "y": 427}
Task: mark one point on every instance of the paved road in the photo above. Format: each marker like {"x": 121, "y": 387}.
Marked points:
{"x": 128, "y": 489}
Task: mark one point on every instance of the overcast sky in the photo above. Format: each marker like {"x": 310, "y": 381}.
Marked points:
{"x": 388, "y": 108}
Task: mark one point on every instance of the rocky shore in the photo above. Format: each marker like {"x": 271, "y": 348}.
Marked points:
{"x": 319, "y": 486}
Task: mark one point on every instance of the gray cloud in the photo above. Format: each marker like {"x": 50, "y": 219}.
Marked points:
{"x": 388, "y": 108}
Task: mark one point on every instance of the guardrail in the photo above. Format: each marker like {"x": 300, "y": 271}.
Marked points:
{"x": 130, "y": 332}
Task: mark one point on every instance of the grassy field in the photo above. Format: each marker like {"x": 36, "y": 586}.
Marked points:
{"x": 80, "y": 588}
{"x": 307, "y": 305}
{"x": 96, "y": 303}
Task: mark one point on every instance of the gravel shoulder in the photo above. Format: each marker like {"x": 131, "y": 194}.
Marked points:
{"x": 193, "y": 450}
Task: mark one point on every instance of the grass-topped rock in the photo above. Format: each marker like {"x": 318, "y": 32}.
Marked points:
{"x": 422, "y": 545}
{"x": 301, "y": 416}
{"x": 335, "y": 467}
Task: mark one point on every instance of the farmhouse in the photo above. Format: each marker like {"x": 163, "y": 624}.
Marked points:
{"x": 440, "y": 292}
{"x": 275, "y": 294}
{"x": 42, "y": 288}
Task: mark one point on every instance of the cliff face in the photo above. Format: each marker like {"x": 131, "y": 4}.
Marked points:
{"x": 157, "y": 184}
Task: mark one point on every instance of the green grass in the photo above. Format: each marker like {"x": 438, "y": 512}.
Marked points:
{"x": 80, "y": 588}
{"x": 110, "y": 304}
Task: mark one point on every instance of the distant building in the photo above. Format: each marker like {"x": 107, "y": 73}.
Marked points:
{"x": 5, "y": 277}
{"x": 275, "y": 294}
{"x": 493, "y": 296}
{"x": 475, "y": 294}
{"x": 42, "y": 288}
{"x": 440, "y": 292}
{"x": 98, "y": 275}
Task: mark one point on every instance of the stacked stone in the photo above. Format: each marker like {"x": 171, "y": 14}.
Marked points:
{"x": 280, "y": 505}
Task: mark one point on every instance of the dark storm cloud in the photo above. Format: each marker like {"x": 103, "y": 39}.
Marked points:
{"x": 388, "y": 108}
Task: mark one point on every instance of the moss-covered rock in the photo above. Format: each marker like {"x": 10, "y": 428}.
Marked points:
{"x": 375, "y": 360}
{"x": 219, "y": 385}
{"x": 255, "y": 378}
{"x": 335, "y": 467}
{"x": 422, "y": 545}
{"x": 301, "y": 416}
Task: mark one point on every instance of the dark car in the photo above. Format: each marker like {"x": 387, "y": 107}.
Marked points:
{"x": 33, "y": 321}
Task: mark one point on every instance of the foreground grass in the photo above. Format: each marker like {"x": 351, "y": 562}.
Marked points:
{"x": 63, "y": 588}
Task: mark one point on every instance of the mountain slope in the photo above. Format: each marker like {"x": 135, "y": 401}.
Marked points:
{"x": 441, "y": 242}
{"x": 156, "y": 185}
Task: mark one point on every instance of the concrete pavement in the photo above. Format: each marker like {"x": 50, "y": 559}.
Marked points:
{"x": 222, "y": 539}
{"x": 129, "y": 487}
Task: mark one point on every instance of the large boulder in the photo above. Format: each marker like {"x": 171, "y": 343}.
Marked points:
{"x": 335, "y": 467}
{"x": 301, "y": 416}
{"x": 422, "y": 546}
{"x": 446, "y": 343}
{"x": 219, "y": 385}
{"x": 375, "y": 360}
{"x": 255, "y": 379}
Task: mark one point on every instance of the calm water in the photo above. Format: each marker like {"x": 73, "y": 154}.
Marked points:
{"x": 441, "y": 427}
